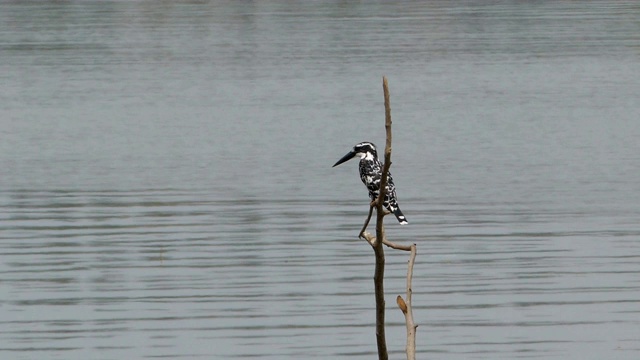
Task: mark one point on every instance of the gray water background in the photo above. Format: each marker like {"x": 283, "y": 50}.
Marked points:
{"x": 167, "y": 190}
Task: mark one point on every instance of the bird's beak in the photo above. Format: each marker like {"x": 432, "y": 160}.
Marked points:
{"x": 350, "y": 155}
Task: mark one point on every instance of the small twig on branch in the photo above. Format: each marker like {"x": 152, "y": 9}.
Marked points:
{"x": 372, "y": 240}
{"x": 366, "y": 223}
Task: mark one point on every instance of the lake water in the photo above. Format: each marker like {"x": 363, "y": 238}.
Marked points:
{"x": 166, "y": 188}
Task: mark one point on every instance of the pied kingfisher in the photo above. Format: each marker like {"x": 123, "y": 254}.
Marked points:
{"x": 371, "y": 174}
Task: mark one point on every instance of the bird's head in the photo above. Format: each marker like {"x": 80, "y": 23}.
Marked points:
{"x": 364, "y": 150}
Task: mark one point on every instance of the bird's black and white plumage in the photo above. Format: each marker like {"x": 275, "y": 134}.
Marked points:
{"x": 371, "y": 175}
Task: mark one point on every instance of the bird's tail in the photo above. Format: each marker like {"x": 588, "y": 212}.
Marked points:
{"x": 401, "y": 219}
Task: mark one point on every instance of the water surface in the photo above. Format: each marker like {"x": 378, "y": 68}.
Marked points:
{"x": 167, "y": 190}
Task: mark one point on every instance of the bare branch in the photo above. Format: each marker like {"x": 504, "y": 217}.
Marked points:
{"x": 407, "y": 310}
{"x": 378, "y": 278}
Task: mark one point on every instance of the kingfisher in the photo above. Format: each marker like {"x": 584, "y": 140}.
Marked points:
{"x": 371, "y": 175}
